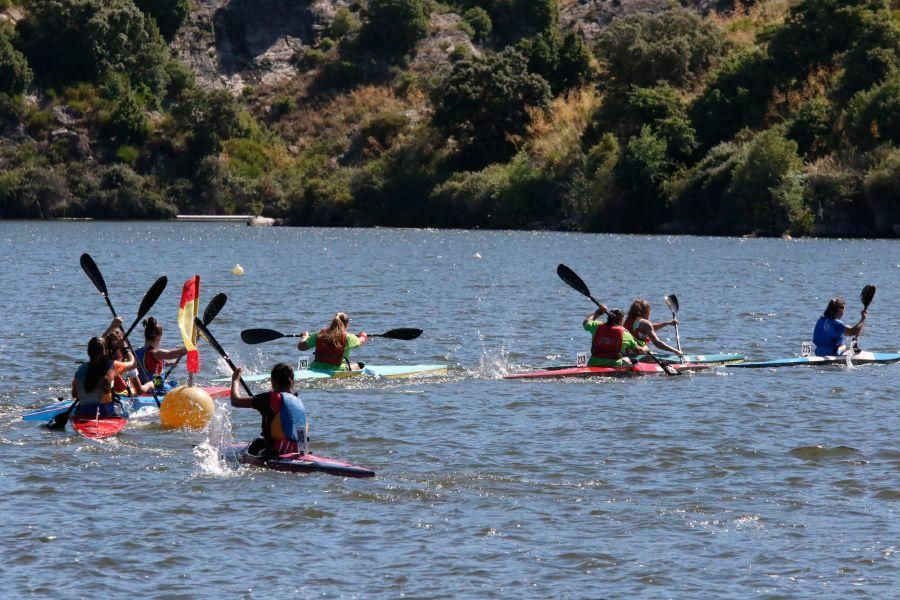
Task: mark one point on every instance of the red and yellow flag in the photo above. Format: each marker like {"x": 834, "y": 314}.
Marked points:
{"x": 190, "y": 305}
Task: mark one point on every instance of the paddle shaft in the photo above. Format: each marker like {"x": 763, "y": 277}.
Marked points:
{"x": 677, "y": 337}
{"x": 218, "y": 348}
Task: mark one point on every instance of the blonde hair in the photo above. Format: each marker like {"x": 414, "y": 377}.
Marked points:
{"x": 337, "y": 329}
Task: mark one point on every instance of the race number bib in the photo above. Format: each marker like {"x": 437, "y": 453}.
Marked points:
{"x": 805, "y": 348}
{"x": 581, "y": 359}
{"x": 302, "y": 363}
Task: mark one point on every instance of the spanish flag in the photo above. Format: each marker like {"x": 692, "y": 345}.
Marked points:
{"x": 190, "y": 305}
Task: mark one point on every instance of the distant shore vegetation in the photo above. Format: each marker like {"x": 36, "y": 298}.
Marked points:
{"x": 751, "y": 118}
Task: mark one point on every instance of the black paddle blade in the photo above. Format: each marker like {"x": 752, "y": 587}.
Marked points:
{"x": 209, "y": 338}
{"x": 867, "y": 295}
{"x": 672, "y": 302}
{"x": 59, "y": 421}
{"x": 259, "y": 336}
{"x": 572, "y": 278}
{"x": 149, "y": 300}
{"x": 90, "y": 268}
{"x": 214, "y": 307}
{"x": 403, "y": 333}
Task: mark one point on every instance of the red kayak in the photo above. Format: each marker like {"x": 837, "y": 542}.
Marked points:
{"x": 623, "y": 371}
{"x": 96, "y": 428}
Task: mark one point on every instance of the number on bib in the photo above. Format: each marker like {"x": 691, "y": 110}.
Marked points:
{"x": 581, "y": 359}
{"x": 805, "y": 348}
{"x": 302, "y": 363}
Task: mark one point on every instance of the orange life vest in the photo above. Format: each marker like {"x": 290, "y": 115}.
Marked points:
{"x": 329, "y": 353}
{"x": 607, "y": 342}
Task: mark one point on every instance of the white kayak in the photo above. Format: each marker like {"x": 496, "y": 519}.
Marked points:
{"x": 387, "y": 372}
{"x": 857, "y": 359}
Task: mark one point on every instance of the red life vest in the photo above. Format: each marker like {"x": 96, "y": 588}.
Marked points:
{"x": 629, "y": 325}
{"x": 607, "y": 342}
{"x": 329, "y": 353}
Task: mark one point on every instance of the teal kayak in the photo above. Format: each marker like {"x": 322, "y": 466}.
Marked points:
{"x": 859, "y": 358}
{"x": 387, "y": 372}
{"x": 702, "y": 359}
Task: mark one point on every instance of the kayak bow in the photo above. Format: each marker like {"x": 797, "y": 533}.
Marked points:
{"x": 623, "y": 371}
{"x": 296, "y": 463}
{"x": 857, "y": 359}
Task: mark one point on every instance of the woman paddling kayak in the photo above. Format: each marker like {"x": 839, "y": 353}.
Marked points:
{"x": 610, "y": 341}
{"x": 151, "y": 357}
{"x": 285, "y": 429}
{"x": 828, "y": 335}
{"x": 92, "y": 384}
{"x": 333, "y": 345}
{"x": 638, "y": 324}
{"x": 127, "y": 382}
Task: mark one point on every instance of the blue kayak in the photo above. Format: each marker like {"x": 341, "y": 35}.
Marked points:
{"x": 859, "y": 358}
{"x": 701, "y": 359}
{"x": 131, "y": 404}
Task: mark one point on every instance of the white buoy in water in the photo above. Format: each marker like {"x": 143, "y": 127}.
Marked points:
{"x": 476, "y": 255}
{"x": 237, "y": 270}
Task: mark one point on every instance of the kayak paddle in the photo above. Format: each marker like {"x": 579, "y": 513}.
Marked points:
{"x": 212, "y": 309}
{"x": 59, "y": 421}
{"x": 866, "y": 296}
{"x": 218, "y": 348}
{"x": 260, "y": 336}
{"x": 93, "y": 273}
{"x": 672, "y": 303}
{"x": 578, "y": 284}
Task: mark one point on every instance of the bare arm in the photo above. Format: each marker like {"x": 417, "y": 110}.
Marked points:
{"x": 74, "y": 389}
{"x": 116, "y": 324}
{"x": 662, "y": 324}
{"x": 650, "y": 333}
{"x": 601, "y": 310}
{"x": 858, "y": 327}
{"x": 237, "y": 400}
{"x": 302, "y": 344}
{"x": 161, "y": 354}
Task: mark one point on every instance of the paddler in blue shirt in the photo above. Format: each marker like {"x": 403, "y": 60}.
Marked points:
{"x": 333, "y": 345}
{"x": 285, "y": 429}
{"x": 610, "y": 341}
{"x": 828, "y": 335}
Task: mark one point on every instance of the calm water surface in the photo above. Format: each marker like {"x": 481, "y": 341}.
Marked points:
{"x": 729, "y": 483}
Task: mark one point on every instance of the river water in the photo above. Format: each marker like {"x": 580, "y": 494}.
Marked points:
{"x": 726, "y": 483}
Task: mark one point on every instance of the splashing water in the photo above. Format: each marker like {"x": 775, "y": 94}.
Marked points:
{"x": 209, "y": 453}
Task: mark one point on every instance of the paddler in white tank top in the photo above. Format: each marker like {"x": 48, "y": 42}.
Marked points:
{"x": 644, "y": 331}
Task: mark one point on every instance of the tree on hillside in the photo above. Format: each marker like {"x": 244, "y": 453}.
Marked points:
{"x": 873, "y": 116}
{"x": 484, "y": 102}
{"x": 169, "y": 14}
{"x": 83, "y": 40}
{"x": 394, "y": 27}
{"x": 675, "y": 47}
{"x": 15, "y": 75}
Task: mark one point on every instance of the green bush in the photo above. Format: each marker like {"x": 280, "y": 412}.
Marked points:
{"x": 811, "y": 127}
{"x": 697, "y": 194}
{"x": 123, "y": 194}
{"x": 344, "y": 24}
{"x": 485, "y": 101}
{"x": 676, "y": 47}
{"x": 882, "y": 188}
{"x": 282, "y": 105}
{"x": 169, "y": 14}
{"x": 640, "y": 175}
{"x": 33, "y": 192}
{"x": 128, "y": 154}
{"x": 479, "y": 22}
{"x": 247, "y": 158}
{"x": 766, "y": 191}
{"x": 208, "y": 118}
{"x": 736, "y": 97}
{"x": 309, "y": 58}
{"x": 393, "y": 27}
{"x": 128, "y": 121}
{"x": 15, "y": 75}
{"x": 83, "y": 40}
{"x": 873, "y": 116}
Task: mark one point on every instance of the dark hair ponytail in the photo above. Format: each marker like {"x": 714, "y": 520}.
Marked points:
{"x": 152, "y": 329}
{"x": 98, "y": 364}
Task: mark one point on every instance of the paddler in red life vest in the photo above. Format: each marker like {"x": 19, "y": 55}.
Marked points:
{"x": 333, "y": 345}
{"x": 638, "y": 324}
{"x": 610, "y": 340}
{"x": 151, "y": 357}
{"x": 126, "y": 381}
{"x": 285, "y": 429}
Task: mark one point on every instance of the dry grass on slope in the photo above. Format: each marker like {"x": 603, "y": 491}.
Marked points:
{"x": 741, "y": 25}
{"x": 554, "y": 137}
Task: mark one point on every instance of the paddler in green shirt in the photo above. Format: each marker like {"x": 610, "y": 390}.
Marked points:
{"x": 333, "y": 345}
{"x": 610, "y": 341}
